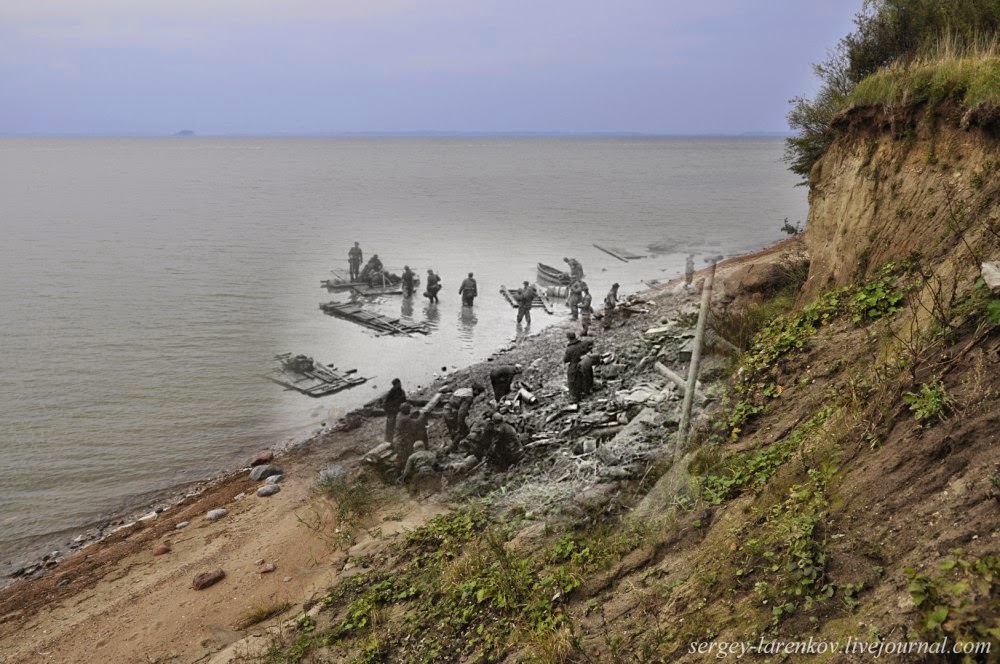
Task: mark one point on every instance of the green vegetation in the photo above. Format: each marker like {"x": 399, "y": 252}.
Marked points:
{"x": 930, "y": 404}
{"x": 960, "y": 601}
{"x": 753, "y": 469}
{"x": 969, "y": 80}
{"x": 461, "y": 590}
{"x": 896, "y": 31}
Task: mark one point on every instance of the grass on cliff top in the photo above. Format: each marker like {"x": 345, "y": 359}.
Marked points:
{"x": 969, "y": 80}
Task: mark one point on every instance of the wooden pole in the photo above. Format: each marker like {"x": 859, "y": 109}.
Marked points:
{"x": 699, "y": 336}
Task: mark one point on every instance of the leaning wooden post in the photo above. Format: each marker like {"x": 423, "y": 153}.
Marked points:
{"x": 699, "y": 336}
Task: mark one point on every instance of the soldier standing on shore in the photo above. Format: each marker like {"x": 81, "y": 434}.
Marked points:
{"x": 688, "y": 271}
{"x": 571, "y": 357}
{"x": 354, "y": 259}
{"x": 575, "y": 269}
{"x": 391, "y": 402}
{"x": 610, "y": 302}
{"x": 524, "y": 303}
{"x": 586, "y": 309}
{"x": 468, "y": 290}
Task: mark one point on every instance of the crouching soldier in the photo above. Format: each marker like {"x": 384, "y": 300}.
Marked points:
{"x": 420, "y": 472}
{"x": 505, "y": 446}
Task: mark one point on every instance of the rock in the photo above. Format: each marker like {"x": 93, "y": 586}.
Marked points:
{"x": 263, "y": 472}
{"x": 274, "y": 479}
{"x": 63, "y": 582}
{"x": 267, "y": 568}
{"x": 240, "y": 496}
{"x": 335, "y": 472}
{"x": 261, "y": 458}
{"x": 268, "y": 490}
{"x": 216, "y": 514}
{"x": 50, "y": 556}
{"x": 287, "y": 579}
{"x": 161, "y": 549}
{"x": 148, "y": 517}
{"x": 182, "y": 524}
{"x": 206, "y": 579}
{"x": 17, "y": 572}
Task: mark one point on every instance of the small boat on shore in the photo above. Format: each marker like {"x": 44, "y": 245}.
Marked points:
{"x": 305, "y": 375}
{"x": 551, "y": 276}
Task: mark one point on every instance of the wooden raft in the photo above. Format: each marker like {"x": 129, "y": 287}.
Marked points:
{"x": 382, "y": 324}
{"x": 513, "y": 297}
{"x": 318, "y": 381}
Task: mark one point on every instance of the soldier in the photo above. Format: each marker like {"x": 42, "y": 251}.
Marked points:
{"x": 468, "y": 290}
{"x": 372, "y": 272}
{"x": 524, "y": 303}
{"x": 501, "y": 377}
{"x": 573, "y": 301}
{"x": 420, "y": 469}
{"x": 391, "y": 402}
{"x": 587, "y": 363}
{"x": 408, "y": 280}
{"x": 575, "y": 269}
{"x": 571, "y": 357}
{"x": 433, "y": 286}
{"x": 586, "y": 310}
{"x": 688, "y": 271}
{"x": 354, "y": 261}
{"x": 505, "y": 446}
{"x": 610, "y": 302}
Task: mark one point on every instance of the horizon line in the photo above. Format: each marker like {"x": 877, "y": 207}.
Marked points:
{"x": 187, "y": 133}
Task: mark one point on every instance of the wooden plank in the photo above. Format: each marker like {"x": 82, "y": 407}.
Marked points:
{"x": 611, "y": 253}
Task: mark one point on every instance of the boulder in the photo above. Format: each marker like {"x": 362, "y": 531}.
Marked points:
{"x": 263, "y": 472}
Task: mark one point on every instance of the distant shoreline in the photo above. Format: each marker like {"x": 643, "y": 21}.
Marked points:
{"x": 418, "y": 134}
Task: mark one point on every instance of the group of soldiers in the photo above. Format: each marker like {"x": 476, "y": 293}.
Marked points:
{"x": 579, "y": 300}
{"x": 490, "y": 439}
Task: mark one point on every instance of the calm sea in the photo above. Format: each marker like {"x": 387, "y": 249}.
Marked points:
{"x": 146, "y": 283}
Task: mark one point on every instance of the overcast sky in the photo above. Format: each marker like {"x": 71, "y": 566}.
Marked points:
{"x": 334, "y": 66}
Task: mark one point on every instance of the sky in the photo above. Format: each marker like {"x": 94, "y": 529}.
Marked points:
{"x": 261, "y": 67}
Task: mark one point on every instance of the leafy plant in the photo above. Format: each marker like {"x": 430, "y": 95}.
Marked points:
{"x": 930, "y": 404}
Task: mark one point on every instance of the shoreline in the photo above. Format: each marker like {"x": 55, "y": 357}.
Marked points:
{"x": 119, "y": 592}
{"x": 38, "y": 557}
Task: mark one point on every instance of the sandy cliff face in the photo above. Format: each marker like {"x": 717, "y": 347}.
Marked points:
{"x": 898, "y": 182}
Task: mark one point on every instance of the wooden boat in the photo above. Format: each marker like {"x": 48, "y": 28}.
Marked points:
{"x": 353, "y": 312}
{"x": 551, "y": 276}
{"x": 305, "y": 375}
{"x": 513, "y": 297}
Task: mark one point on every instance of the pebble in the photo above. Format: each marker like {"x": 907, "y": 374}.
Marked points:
{"x": 161, "y": 549}
{"x": 63, "y": 582}
{"x": 287, "y": 579}
{"x": 267, "y": 568}
{"x": 262, "y": 472}
{"x": 182, "y": 524}
{"x": 240, "y": 496}
{"x": 206, "y": 579}
{"x": 274, "y": 479}
{"x": 268, "y": 490}
{"x": 216, "y": 514}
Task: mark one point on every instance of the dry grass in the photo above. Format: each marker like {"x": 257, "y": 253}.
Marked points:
{"x": 260, "y": 614}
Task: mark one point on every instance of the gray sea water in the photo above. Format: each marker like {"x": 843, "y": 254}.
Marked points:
{"x": 146, "y": 283}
